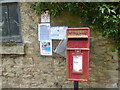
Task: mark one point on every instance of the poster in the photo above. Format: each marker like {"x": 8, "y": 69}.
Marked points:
{"x": 77, "y": 63}
{"x": 58, "y": 32}
{"x": 43, "y": 32}
{"x": 46, "y": 47}
{"x": 45, "y": 17}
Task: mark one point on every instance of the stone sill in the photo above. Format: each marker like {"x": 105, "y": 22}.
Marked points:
{"x": 12, "y": 49}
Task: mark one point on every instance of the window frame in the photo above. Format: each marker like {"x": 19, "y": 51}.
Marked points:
{"x": 13, "y": 38}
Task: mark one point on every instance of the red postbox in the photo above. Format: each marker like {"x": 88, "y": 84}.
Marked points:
{"x": 77, "y": 53}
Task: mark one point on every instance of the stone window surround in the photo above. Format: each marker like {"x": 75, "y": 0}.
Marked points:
{"x": 12, "y": 48}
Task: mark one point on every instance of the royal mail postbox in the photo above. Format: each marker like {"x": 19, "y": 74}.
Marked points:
{"x": 77, "y": 53}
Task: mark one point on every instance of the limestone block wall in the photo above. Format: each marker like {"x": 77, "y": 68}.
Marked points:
{"x": 31, "y": 70}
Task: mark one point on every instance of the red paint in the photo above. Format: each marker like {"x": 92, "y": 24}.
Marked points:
{"x": 82, "y": 45}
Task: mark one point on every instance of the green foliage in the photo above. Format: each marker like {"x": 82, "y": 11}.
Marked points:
{"x": 104, "y": 15}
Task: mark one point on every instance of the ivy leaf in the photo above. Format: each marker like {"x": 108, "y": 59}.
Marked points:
{"x": 108, "y": 10}
{"x": 113, "y": 11}
{"x": 103, "y": 9}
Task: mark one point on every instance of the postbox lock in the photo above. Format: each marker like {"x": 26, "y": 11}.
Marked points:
{"x": 77, "y": 51}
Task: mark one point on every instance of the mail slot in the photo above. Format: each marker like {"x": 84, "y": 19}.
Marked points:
{"x": 77, "y": 53}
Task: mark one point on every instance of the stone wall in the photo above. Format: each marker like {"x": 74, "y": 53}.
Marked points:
{"x": 31, "y": 70}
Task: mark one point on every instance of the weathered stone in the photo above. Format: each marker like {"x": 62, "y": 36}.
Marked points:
{"x": 35, "y": 71}
{"x": 15, "y": 49}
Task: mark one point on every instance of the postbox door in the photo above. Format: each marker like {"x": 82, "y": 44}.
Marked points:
{"x": 78, "y": 64}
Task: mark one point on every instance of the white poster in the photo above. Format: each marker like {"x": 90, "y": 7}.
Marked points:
{"x": 45, "y": 17}
{"x": 46, "y": 47}
{"x": 77, "y": 63}
{"x": 58, "y": 32}
{"x": 43, "y": 32}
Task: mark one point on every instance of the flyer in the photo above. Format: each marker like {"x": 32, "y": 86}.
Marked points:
{"x": 46, "y": 47}
{"x": 43, "y": 31}
{"x": 58, "y": 32}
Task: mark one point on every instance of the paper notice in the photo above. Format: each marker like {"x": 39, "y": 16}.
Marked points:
{"x": 77, "y": 63}
{"x": 58, "y": 32}
{"x": 45, "y": 17}
{"x": 43, "y": 32}
{"x": 46, "y": 47}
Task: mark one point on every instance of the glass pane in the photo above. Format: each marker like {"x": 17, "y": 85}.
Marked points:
{"x": 14, "y": 19}
{"x": 4, "y": 21}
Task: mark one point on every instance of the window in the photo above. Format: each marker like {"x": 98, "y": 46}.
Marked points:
{"x": 10, "y": 23}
